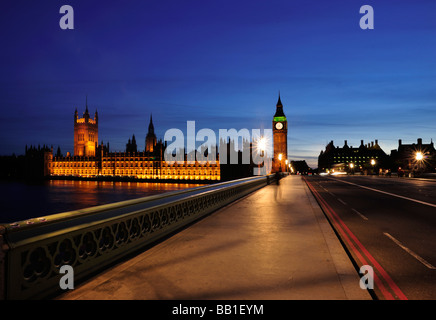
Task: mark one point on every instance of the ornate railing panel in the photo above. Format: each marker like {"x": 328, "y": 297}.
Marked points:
{"x": 32, "y": 252}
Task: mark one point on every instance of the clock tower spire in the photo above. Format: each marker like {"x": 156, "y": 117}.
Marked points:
{"x": 280, "y": 138}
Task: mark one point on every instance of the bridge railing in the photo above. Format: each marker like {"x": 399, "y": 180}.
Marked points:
{"x": 33, "y": 251}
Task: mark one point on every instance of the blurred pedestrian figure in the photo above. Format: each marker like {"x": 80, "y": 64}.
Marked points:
{"x": 278, "y": 193}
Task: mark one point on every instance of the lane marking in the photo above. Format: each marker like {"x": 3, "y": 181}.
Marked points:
{"x": 361, "y": 215}
{"x": 343, "y": 202}
{"x": 388, "y": 193}
{"x": 338, "y": 223}
{"x": 413, "y": 254}
{"x": 326, "y": 207}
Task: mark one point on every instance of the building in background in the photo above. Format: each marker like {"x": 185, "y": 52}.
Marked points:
{"x": 299, "y": 167}
{"x": 85, "y": 134}
{"x": 367, "y": 159}
{"x": 33, "y": 165}
{"x": 280, "y": 139}
{"x": 150, "y": 139}
{"x": 414, "y": 159}
{"x": 91, "y": 160}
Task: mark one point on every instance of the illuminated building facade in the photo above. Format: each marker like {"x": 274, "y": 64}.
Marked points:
{"x": 150, "y": 139}
{"x": 414, "y": 158}
{"x": 280, "y": 138}
{"x": 85, "y": 134}
{"x": 98, "y": 161}
{"x": 367, "y": 158}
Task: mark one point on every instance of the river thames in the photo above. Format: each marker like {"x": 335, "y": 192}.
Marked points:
{"x": 21, "y": 200}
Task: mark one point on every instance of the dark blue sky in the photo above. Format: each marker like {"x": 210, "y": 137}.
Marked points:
{"x": 220, "y": 63}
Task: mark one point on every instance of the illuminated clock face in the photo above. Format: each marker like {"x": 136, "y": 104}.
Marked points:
{"x": 279, "y": 125}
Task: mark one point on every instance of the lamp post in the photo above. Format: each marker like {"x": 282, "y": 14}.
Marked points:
{"x": 261, "y": 144}
{"x": 280, "y": 160}
{"x": 351, "y": 165}
{"x": 286, "y": 165}
{"x": 419, "y": 157}
{"x": 373, "y": 165}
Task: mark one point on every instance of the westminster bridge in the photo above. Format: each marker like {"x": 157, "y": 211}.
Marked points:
{"x": 249, "y": 238}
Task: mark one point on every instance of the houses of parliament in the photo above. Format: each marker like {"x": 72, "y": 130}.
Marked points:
{"x": 93, "y": 160}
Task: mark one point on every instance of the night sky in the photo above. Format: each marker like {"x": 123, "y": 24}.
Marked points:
{"x": 220, "y": 63}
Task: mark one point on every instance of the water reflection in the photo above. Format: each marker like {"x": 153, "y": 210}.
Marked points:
{"x": 20, "y": 201}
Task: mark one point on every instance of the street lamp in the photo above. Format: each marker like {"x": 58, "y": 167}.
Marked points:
{"x": 286, "y": 165}
{"x": 261, "y": 145}
{"x": 419, "y": 157}
{"x": 280, "y": 159}
{"x": 351, "y": 165}
{"x": 373, "y": 165}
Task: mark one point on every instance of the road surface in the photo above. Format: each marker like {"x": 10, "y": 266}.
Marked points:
{"x": 387, "y": 223}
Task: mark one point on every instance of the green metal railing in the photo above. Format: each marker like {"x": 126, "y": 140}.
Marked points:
{"x": 33, "y": 251}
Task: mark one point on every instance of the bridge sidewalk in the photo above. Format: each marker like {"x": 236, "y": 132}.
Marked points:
{"x": 273, "y": 244}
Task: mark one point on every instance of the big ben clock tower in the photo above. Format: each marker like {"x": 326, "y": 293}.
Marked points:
{"x": 280, "y": 138}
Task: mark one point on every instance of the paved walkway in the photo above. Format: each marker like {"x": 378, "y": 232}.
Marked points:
{"x": 273, "y": 244}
